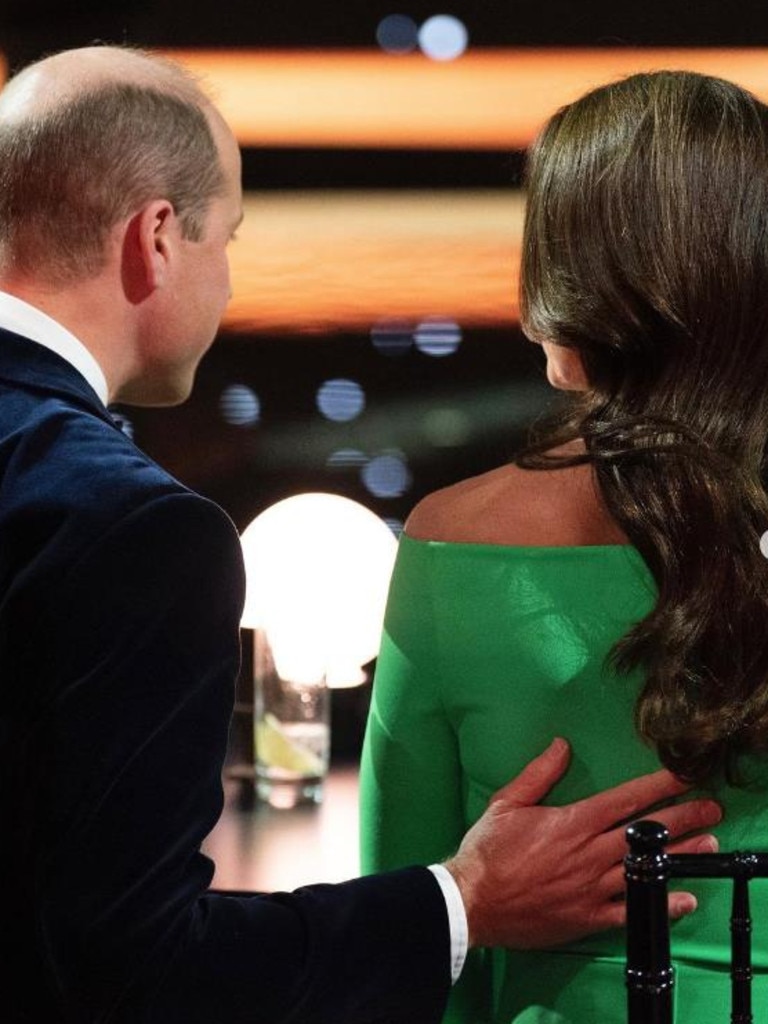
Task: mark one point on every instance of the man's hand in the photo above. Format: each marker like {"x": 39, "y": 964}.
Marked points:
{"x": 535, "y": 876}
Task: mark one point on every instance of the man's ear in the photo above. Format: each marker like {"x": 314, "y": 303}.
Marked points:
{"x": 149, "y": 247}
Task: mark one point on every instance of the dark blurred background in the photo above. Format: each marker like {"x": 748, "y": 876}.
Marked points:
{"x": 285, "y": 444}
{"x": 429, "y": 410}
{"x": 31, "y": 27}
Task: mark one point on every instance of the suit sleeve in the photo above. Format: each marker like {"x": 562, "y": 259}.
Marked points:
{"x": 141, "y": 652}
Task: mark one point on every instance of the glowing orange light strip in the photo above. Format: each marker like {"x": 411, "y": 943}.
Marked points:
{"x": 485, "y": 99}
{"x": 325, "y": 262}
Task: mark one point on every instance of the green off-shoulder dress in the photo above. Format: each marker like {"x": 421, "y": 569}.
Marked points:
{"x": 488, "y": 653}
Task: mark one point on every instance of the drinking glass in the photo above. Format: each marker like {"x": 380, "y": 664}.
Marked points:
{"x": 292, "y": 730}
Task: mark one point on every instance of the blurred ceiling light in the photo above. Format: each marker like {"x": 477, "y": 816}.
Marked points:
{"x": 340, "y": 400}
{"x": 437, "y": 337}
{"x": 387, "y": 475}
{"x": 346, "y": 458}
{"x": 239, "y": 405}
{"x": 317, "y": 574}
{"x": 392, "y": 337}
{"x": 395, "y": 525}
{"x": 397, "y": 34}
{"x": 443, "y": 37}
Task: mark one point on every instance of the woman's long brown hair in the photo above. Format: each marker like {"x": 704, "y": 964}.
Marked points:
{"x": 646, "y": 249}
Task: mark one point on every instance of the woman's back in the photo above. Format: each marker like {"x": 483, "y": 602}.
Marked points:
{"x": 519, "y": 610}
{"x": 509, "y": 592}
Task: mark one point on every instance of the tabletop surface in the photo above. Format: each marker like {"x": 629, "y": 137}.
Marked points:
{"x": 257, "y": 847}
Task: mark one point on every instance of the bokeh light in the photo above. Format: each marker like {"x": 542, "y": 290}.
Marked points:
{"x": 340, "y": 399}
{"x": 395, "y": 525}
{"x": 446, "y": 427}
{"x": 239, "y": 405}
{"x": 392, "y": 337}
{"x": 443, "y": 37}
{"x": 397, "y": 33}
{"x": 436, "y": 336}
{"x": 387, "y": 475}
{"x": 346, "y": 458}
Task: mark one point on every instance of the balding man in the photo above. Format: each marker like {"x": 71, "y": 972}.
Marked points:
{"x": 120, "y": 599}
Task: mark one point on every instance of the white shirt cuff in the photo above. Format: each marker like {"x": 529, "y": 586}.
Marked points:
{"x": 457, "y": 918}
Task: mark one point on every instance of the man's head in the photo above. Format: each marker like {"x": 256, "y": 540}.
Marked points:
{"x": 110, "y": 157}
{"x": 86, "y": 137}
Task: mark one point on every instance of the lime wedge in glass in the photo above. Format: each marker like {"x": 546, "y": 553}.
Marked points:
{"x": 277, "y": 748}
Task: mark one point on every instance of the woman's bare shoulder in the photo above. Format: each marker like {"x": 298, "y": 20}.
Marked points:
{"x": 515, "y": 506}
{"x": 458, "y": 510}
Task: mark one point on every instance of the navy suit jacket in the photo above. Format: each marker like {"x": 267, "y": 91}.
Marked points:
{"x": 120, "y": 599}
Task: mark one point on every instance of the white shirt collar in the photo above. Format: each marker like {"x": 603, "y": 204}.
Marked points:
{"x": 18, "y": 316}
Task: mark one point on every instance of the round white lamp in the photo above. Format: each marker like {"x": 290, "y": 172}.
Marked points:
{"x": 317, "y": 574}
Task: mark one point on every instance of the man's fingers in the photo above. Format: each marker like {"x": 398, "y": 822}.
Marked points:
{"x": 630, "y": 799}
{"x": 681, "y": 904}
{"x": 691, "y": 816}
{"x": 538, "y": 777}
{"x": 696, "y": 844}
{"x": 614, "y": 915}
{"x": 612, "y": 882}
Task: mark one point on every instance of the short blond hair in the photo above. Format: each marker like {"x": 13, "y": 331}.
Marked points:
{"x": 70, "y": 172}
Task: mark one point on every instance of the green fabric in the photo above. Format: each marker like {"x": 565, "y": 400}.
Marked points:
{"x": 489, "y": 652}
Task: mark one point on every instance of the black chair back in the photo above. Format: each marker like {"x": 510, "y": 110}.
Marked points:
{"x": 648, "y": 869}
